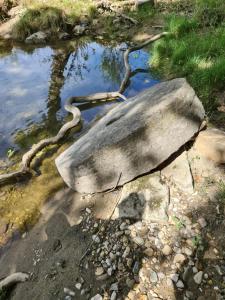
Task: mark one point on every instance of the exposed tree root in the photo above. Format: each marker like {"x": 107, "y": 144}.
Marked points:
{"x": 28, "y": 156}
{"x": 13, "y": 279}
{"x": 135, "y": 3}
{"x": 108, "y": 6}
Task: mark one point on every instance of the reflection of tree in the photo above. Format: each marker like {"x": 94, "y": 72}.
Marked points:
{"x": 78, "y": 66}
{"x": 5, "y": 48}
{"x": 50, "y": 124}
{"x": 112, "y": 64}
{"x": 57, "y": 79}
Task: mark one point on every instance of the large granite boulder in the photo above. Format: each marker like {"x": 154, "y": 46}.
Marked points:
{"x": 133, "y": 138}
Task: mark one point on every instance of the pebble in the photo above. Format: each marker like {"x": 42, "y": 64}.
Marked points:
{"x": 166, "y": 250}
{"x": 153, "y": 276}
{"x": 149, "y": 252}
{"x": 136, "y": 267}
{"x": 88, "y": 210}
{"x": 110, "y": 271}
{"x": 198, "y": 277}
{"x": 95, "y": 238}
{"x": 180, "y": 284}
{"x": 108, "y": 262}
{"x": 195, "y": 270}
{"x": 97, "y": 297}
{"x": 188, "y": 251}
{"x": 130, "y": 282}
{"x": 161, "y": 275}
{"x": 126, "y": 252}
{"x": 99, "y": 271}
{"x": 78, "y": 285}
{"x": 113, "y": 296}
{"x": 202, "y": 222}
{"x": 138, "y": 240}
{"x": 123, "y": 226}
{"x": 179, "y": 258}
{"x": 174, "y": 277}
{"x": 69, "y": 292}
{"x": 114, "y": 287}
{"x": 169, "y": 282}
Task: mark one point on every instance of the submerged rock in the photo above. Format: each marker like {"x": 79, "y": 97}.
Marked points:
{"x": 79, "y": 29}
{"x": 39, "y": 37}
{"x": 133, "y": 138}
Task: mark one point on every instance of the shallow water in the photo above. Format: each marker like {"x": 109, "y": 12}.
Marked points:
{"x": 35, "y": 83}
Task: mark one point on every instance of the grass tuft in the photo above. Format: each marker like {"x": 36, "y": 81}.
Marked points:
{"x": 56, "y": 15}
{"x": 210, "y": 12}
{"x": 48, "y": 18}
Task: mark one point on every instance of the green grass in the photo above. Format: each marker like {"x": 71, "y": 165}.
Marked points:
{"x": 194, "y": 50}
{"x": 58, "y": 15}
{"x": 34, "y": 20}
{"x": 221, "y": 192}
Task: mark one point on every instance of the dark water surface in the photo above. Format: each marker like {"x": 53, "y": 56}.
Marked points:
{"x": 35, "y": 83}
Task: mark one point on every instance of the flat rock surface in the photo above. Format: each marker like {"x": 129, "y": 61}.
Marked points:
{"x": 145, "y": 198}
{"x": 211, "y": 144}
{"x": 178, "y": 171}
{"x": 133, "y": 138}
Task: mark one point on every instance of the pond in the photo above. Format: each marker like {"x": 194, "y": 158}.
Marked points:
{"x": 35, "y": 83}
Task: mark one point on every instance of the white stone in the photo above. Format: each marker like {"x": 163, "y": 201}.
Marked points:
{"x": 69, "y": 292}
{"x": 179, "y": 258}
{"x": 97, "y": 297}
{"x": 113, "y": 296}
{"x": 166, "y": 250}
{"x": 180, "y": 284}
{"x": 198, "y": 277}
{"x": 202, "y": 222}
{"x": 174, "y": 277}
{"x": 39, "y": 37}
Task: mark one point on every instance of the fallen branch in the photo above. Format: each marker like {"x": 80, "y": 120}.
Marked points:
{"x": 132, "y": 49}
{"x": 108, "y": 6}
{"x": 135, "y": 3}
{"x": 13, "y": 279}
{"x": 28, "y": 156}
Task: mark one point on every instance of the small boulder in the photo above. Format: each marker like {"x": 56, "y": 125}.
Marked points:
{"x": 39, "y": 37}
{"x": 79, "y": 30}
{"x": 63, "y": 36}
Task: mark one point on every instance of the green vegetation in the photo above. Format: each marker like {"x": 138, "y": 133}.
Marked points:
{"x": 221, "y": 192}
{"x": 56, "y": 16}
{"x": 178, "y": 222}
{"x": 34, "y": 20}
{"x": 195, "y": 49}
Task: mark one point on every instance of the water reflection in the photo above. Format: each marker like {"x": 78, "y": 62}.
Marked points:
{"x": 35, "y": 84}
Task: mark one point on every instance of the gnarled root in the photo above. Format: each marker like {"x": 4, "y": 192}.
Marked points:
{"x": 13, "y": 279}
{"x": 28, "y": 156}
